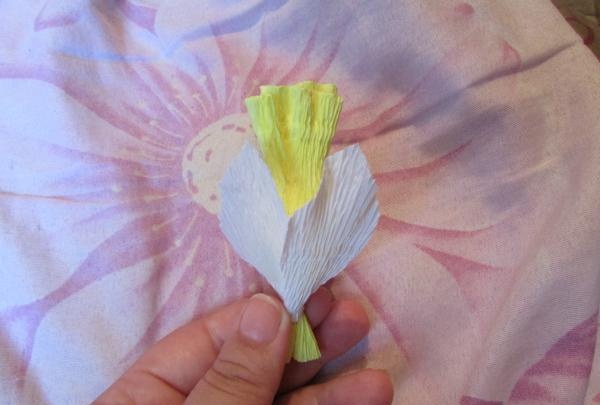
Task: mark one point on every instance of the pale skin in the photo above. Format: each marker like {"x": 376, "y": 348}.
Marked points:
{"x": 237, "y": 355}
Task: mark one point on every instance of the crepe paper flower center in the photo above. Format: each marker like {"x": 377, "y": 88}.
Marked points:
{"x": 294, "y": 126}
{"x": 208, "y": 155}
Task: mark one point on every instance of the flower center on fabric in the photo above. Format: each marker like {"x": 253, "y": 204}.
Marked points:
{"x": 208, "y": 155}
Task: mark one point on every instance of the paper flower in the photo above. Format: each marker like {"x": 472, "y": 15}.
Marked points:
{"x": 298, "y": 217}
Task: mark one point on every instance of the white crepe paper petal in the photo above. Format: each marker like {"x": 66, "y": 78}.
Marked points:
{"x": 298, "y": 254}
{"x": 252, "y": 216}
{"x": 327, "y": 233}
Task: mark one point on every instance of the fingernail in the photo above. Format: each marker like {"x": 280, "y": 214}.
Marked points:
{"x": 261, "y": 319}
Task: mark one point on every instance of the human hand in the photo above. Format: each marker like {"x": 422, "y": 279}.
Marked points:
{"x": 237, "y": 356}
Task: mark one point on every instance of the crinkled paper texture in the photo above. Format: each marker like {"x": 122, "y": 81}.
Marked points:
{"x": 298, "y": 254}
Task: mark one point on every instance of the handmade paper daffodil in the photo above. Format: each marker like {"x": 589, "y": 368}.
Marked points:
{"x": 296, "y": 215}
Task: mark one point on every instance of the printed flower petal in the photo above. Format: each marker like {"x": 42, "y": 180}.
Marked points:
{"x": 561, "y": 376}
{"x": 179, "y": 21}
{"x": 141, "y": 14}
{"x": 57, "y": 13}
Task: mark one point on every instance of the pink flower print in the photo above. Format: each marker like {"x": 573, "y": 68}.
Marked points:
{"x": 562, "y": 375}
{"x": 164, "y": 133}
{"x": 161, "y": 141}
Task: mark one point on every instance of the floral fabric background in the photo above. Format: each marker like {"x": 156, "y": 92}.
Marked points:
{"x": 118, "y": 118}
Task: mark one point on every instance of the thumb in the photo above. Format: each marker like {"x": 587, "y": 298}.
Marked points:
{"x": 249, "y": 367}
